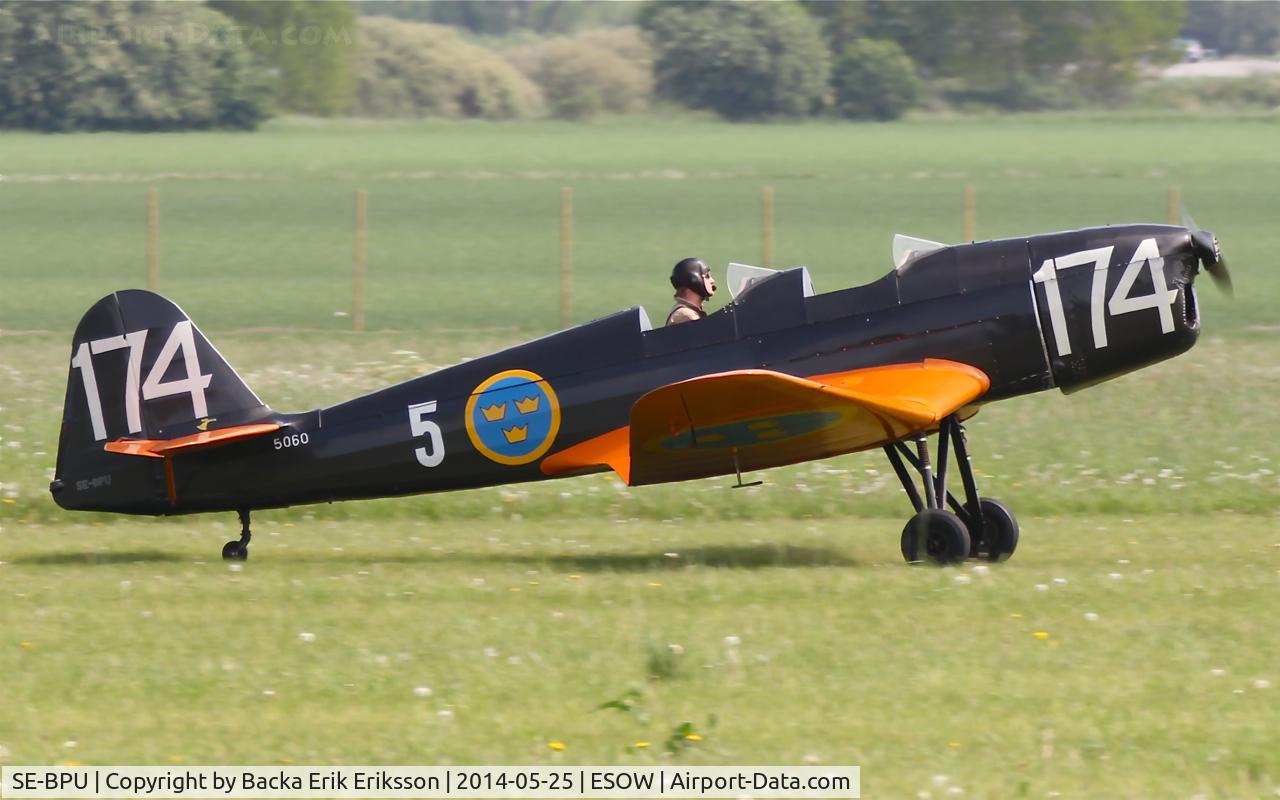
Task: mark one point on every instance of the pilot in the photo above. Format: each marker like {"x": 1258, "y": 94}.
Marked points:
{"x": 693, "y": 283}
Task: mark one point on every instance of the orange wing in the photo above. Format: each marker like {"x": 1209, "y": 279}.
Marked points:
{"x": 159, "y": 448}
{"x": 696, "y": 428}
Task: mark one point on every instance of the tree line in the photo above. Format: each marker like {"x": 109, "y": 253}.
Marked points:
{"x": 234, "y": 63}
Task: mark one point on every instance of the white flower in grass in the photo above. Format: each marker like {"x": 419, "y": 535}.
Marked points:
{"x": 306, "y": 636}
{"x": 1262, "y": 683}
{"x": 445, "y": 713}
{"x": 1115, "y": 576}
{"x": 732, "y": 641}
{"x": 1042, "y": 587}
{"x": 1217, "y": 672}
{"x": 1090, "y": 616}
{"x": 422, "y": 691}
{"x": 962, "y": 579}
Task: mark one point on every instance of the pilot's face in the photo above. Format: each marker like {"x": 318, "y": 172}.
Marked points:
{"x": 710, "y": 283}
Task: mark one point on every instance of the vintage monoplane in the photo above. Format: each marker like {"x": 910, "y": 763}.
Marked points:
{"x": 156, "y": 422}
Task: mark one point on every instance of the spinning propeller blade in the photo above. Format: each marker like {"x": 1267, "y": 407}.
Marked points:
{"x": 1210, "y": 254}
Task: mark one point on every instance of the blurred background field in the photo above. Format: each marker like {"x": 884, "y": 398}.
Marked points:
{"x": 256, "y": 230}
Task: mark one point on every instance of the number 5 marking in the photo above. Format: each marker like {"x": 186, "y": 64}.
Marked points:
{"x": 419, "y": 425}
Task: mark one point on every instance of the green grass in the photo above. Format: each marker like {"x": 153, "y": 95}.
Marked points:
{"x": 805, "y": 641}
{"x": 142, "y": 647}
{"x": 464, "y": 217}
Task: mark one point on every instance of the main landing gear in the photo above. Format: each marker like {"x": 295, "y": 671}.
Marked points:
{"x": 979, "y": 528}
{"x": 238, "y": 550}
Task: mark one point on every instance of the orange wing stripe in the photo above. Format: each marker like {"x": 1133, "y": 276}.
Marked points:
{"x": 158, "y": 448}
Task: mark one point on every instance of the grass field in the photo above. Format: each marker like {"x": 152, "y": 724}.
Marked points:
{"x": 524, "y": 608}
{"x": 1113, "y": 657}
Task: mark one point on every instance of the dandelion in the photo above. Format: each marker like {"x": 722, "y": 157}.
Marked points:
{"x": 9, "y": 501}
{"x": 575, "y": 577}
{"x": 692, "y": 737}
{"x": 558, "y": 746}
{"x": 953, "y": 745}
{"x": 655, "y": 584}
{"x": 641, "y": 745}
{"x": 1015, "y": 615}
{"x": 306, "y": 637}
{"x": 26, "y": 645}
{"x": 1041, "y": 635}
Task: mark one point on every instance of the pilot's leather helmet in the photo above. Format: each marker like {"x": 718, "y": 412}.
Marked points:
{"x": 691, "y": 273}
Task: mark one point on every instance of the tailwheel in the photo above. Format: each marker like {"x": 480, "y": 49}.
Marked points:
{"x": 935, "y": 536}
{"x": 997, "y": 537}
{"x": 239, "y": 550}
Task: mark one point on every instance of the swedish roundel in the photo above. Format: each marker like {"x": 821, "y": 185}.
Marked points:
{"x": 513, "y": 417}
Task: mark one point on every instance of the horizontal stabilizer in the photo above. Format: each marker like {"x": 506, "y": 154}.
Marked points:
{"x": 159, "y": 448}
{"x": 756, "y": 419}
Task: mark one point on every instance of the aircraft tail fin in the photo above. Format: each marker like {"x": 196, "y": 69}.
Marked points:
{"x": 140, "y": 369}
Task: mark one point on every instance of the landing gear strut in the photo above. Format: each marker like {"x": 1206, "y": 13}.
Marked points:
{"x": 979, "y": 528}
{"x": 238, "y": 550}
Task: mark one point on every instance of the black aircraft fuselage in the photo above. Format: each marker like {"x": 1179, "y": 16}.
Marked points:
{"x": 1064, "y": 310}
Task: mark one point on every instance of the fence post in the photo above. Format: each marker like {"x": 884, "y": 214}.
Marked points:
{"x": 970, "y": 213}
{"x": 153, "y": 237}
{"x": 357, "y": 311}
{"x": 1175, "y": 205}
{"x": 566, "y": 255}
{"x": 766, "y": 226}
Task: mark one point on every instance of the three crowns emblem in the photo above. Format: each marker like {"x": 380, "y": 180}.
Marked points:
{"x": 497, "y": 412}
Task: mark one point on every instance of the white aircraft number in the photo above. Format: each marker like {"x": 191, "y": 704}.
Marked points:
{"x": 1147, "y": 255}
{"x": 182, "y": 337}
{"x": 292, "y": 440}
{"x": 432, "y": 455}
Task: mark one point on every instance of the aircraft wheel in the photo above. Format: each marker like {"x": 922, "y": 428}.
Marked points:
{"x": 999, "y": 537}
{"x": 235, "y": 551}
{"x": 935, "y": 536}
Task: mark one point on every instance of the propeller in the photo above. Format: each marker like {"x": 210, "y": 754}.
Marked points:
{"x": 1210, "y": 253}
